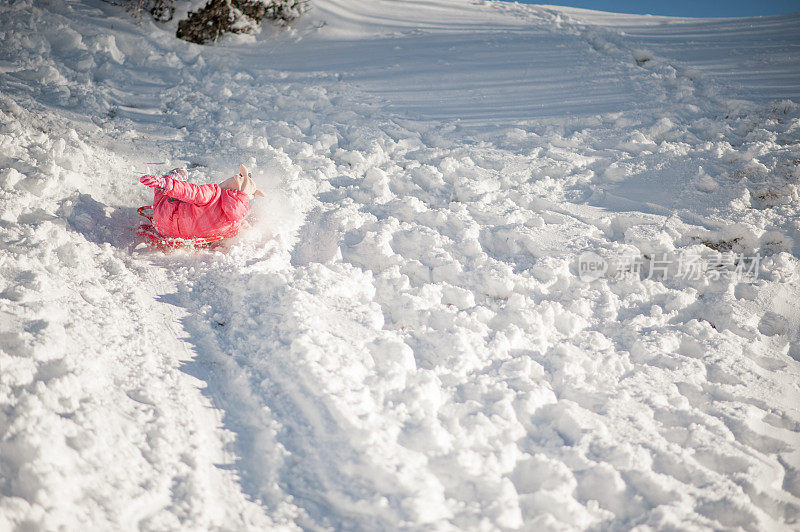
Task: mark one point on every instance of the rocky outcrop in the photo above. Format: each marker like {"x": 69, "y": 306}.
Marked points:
{"x": 236, "y": 16}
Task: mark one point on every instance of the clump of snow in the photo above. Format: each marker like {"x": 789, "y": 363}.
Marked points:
{"x": 705, "y": 182}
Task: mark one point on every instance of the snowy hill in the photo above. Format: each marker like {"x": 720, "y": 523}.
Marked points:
{"x": 408, "y": 336}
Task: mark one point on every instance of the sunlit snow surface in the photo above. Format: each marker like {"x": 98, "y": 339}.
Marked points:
{"x": 402, "y": 339}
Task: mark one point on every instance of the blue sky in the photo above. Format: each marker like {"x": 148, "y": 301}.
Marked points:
{"x": 684, "y": 8}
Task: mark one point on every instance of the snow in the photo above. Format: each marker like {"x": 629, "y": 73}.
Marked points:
{"x": 405, "y": 337}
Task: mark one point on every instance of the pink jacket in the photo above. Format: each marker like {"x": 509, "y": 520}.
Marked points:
{"x": 194, "y": 211}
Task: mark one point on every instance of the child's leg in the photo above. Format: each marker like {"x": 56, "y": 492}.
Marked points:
{"x": 178, "y": 173}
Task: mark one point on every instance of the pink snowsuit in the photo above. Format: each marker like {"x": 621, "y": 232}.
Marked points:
{"x": 199, "y": 211}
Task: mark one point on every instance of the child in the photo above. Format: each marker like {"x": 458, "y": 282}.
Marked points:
{"x": 185, "y": 210}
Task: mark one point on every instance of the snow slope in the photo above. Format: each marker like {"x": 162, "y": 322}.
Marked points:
{"x": 403, "y": 339}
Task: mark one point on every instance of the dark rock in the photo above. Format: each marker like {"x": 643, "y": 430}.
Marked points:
{"x": 235, "y": 16}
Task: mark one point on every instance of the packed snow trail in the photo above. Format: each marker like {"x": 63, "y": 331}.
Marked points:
{"x": 402, "y": 340}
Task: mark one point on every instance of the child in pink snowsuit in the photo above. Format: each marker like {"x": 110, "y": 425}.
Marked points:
{"x": 185, "y": 210}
